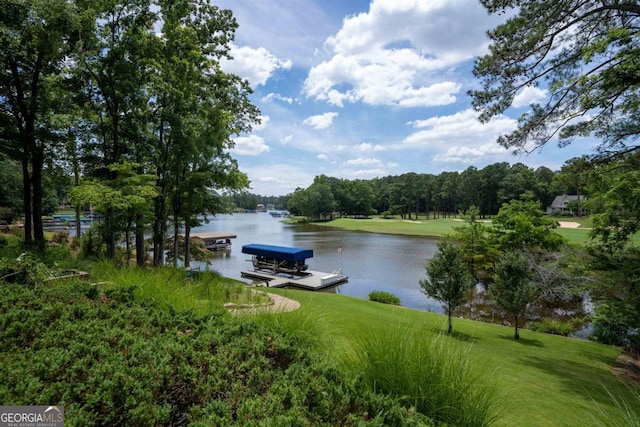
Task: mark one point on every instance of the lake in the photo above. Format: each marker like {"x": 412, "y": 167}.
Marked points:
{"x": 379, "y": 262}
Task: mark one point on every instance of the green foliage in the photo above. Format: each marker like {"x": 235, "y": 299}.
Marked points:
{"x": 91, "y": 244}
{"x": 552, "y": 326}
{"x": 480, "y": 252}
{"x": 615, "y": 202}
{"x": 522, "y": 224}
{"x": 26, "y": 269}
{"x": 448, "y": 278}
{"x": 588, "y": 69}
{"x": 11, "y": 195}
{"x": 173, "y": 289}
{"x": 112, "y": 361}
{"x": 197, "y": 249}
{"x": 426, "y": 374}
{"x": 511, "y": 286}
{"x": 617, "y": 299}
{"x": 384, "y": 297}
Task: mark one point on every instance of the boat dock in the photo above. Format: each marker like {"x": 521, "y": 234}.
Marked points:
{"x": 310, "y": 280}
{"x": 215, "y": 241}
{"x": 285, "y": 267}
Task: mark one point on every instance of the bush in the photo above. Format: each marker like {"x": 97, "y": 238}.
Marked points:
{"x": 6, "y": 215}
{"x": 91, "y": 244}
{"x": 384, "y": 297}
{"x": 26, "y": 269}
{"x": 113, "y": 361}
{"x": 552, "y": 326}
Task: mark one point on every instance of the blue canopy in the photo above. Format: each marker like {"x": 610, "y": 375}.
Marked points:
{"x": 282, "y": 253}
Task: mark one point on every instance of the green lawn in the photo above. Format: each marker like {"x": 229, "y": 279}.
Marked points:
{"x": 545, "y": 380}
{"x": 430, "y": 228}
{"x": 444, "y": 227}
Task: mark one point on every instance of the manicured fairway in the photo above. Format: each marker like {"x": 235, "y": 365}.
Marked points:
{"x": 442, "y": 227}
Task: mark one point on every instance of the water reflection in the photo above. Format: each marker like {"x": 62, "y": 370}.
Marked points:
{"x": 372, "y": 261}
{"x": 379, "y": 262}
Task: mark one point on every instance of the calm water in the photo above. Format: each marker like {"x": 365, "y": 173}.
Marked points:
{"x": 372, "y": 261}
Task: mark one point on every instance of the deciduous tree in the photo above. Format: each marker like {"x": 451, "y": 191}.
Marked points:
{"x": 448, "y": 278}
{"x": 511, "y": 286}
{"x": 36, "y": 38}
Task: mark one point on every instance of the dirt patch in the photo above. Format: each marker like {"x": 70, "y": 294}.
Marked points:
{"x": 568, "y": 224}
{"x": 627, "y": 367}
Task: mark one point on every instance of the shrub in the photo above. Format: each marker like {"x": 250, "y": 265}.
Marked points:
{"x": 112, "y": 361}
{"x": 384, "y": 297}
{"x": 91, "y": 244}
{"x": 6, "y": 215}
{"x": 552, "y": 326}
{"x": 26, "y": 269}
{"x": 60, "y": 237}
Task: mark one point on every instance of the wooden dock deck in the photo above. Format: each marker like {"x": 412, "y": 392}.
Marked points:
{"x": 311, "y": 280}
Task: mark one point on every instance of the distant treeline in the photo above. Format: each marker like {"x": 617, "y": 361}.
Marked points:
{"x": 412, "y": 194}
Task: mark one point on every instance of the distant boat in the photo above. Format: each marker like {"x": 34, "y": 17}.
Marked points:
{"x": 278, "y": 214}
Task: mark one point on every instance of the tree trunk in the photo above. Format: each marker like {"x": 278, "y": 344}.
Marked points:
{"x": 450, "y": 324}
{"x": 516, "y": 335}
{"x": 128, "y": 243}
{"x": 176, "y": 234}
{"x": 159, "y": 230}
{"x": 110, "y": 235}
{"x": 78, "y": 229}
{"x": 141, "y": 254}
{"x": 76, "y": 180}
{"x": 187, "y": 244}
{"x": 26, "y": 199}
{"x": 36, "y": 182}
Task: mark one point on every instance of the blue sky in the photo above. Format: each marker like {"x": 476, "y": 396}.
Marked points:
{"x": 363, "y": 89}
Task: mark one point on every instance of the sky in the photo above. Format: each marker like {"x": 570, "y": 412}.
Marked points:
{"x": 359, "y": 89}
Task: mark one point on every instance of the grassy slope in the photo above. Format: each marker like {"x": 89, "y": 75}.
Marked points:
{"x": 546, "y": 380}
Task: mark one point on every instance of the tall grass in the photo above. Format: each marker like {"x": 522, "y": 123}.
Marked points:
{"x": 171, "y": 288}
{"x": 309, "y": 327}
{"x": 623, "y": 408}
{"x": 427, "y": 374}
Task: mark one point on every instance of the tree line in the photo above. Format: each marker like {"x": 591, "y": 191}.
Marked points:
{"x": 418, "y": 194}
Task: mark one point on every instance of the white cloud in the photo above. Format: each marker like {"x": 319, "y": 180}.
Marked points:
{"x": 254, "y": 64}
{"x": 286, "y": 139}
{"x": 366, "y": 173}
{"x": 462, "y": 127}
{"x": 366, "y": 146}
{"x": 279, "y": 178}
{"x": 459, "y": 137}
{"x": 391, "y": 54}
{"x": 320, "y": 121}
{"x": 360, "y": 162}
{"x": 263, "y": 123}
{"x": 251, "y": 145}
{"x": 278, "y": 97}
{"x": 528, "y": 96}
{"x": 322, "y": 157}
{"x": 464, "y": 154}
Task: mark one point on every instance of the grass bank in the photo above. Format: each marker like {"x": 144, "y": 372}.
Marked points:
{"x": 544, "y": 380}
{"x": 438, "y": 228}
